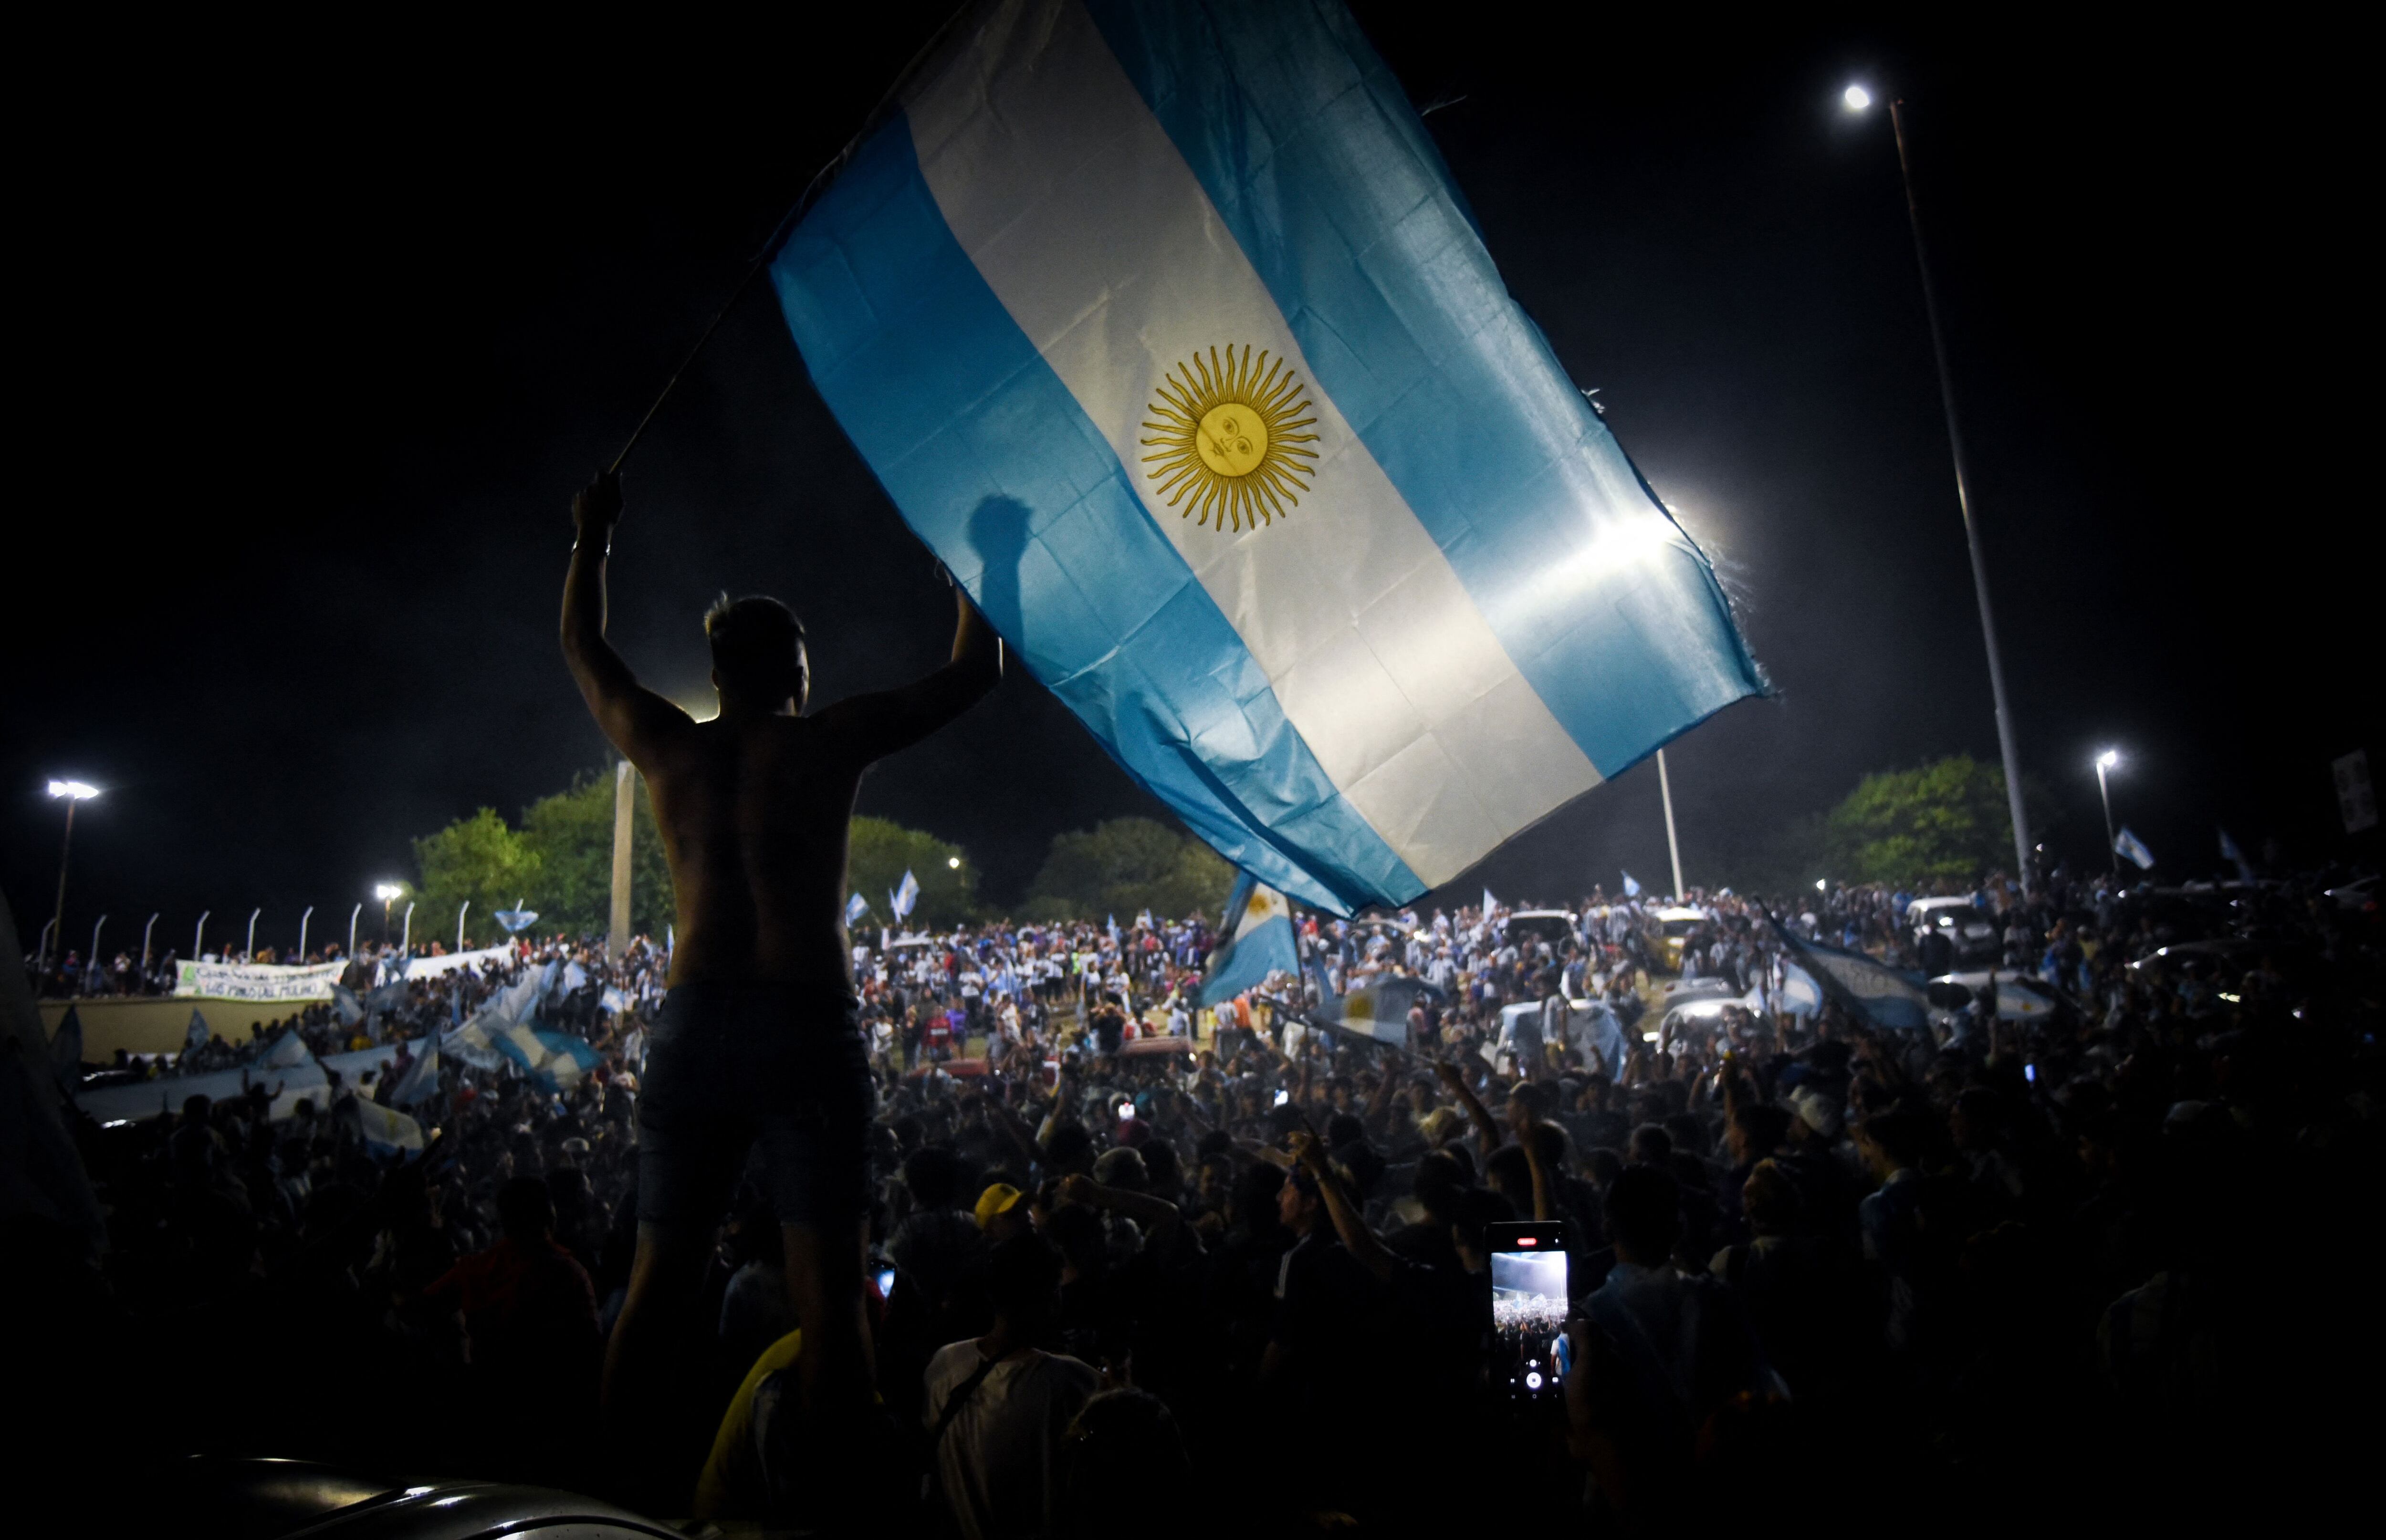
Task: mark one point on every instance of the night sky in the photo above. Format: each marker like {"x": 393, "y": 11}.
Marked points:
{"x": 314, "y": 354}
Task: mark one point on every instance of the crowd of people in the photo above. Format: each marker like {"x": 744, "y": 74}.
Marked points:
{"x": 1141, "y": 1262}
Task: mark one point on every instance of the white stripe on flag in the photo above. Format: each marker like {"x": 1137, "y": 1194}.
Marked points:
{"x": 1084, "y": 218}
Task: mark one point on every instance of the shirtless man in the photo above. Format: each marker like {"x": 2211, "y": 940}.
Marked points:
{"x": 759, "y": 1041}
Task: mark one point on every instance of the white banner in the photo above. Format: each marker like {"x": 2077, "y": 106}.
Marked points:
{"x": 430, "y": 968}
{"x": 231, "y": 981}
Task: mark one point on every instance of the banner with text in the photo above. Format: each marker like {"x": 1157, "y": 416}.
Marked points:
{"x": 231, "y": 981}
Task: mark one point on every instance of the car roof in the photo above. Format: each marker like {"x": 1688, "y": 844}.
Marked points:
{"x": 1683, "y": 914}
{"x": 1945, "y": 903}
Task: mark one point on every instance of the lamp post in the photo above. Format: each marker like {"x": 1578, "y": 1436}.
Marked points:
{"x": 352, "y": 929}
{"x": 73, "y": 792}
{"x": 406, "y": 942}
{"x": 248, "y": 949}
{"x": 387, "y": 893}
{"x": 1673, "y": 845}
{"x": 302, "y": 934}
{"x": 1857, "y": 99}
{"x": 459, "y": 922}
{"x": 144, "y": 947}
{"x": 199, "y": 936}
{"x": 2104, "y": 762}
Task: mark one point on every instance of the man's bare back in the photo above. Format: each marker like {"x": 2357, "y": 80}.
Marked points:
{"x": 756, "y": 1047}
{"x": 754, "y": 805}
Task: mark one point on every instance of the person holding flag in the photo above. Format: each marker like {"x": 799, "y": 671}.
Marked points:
{"x": 758, "y": 1040}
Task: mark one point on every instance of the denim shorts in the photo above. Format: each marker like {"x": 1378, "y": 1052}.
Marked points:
{"x": 730, "y": 1066}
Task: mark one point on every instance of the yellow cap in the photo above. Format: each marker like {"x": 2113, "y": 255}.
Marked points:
{"x": 995, "y": 1199}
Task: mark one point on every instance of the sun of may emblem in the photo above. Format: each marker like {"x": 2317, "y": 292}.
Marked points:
{"x": 1228, "y": 440}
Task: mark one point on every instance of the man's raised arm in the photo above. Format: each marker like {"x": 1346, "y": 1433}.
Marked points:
{"x": 633, "y": 717}
{"x": 893, "y": 719}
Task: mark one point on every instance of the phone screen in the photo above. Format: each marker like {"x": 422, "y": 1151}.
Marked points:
{"x": 1529, "y": 1304}
{"x": 886, "y": 1282}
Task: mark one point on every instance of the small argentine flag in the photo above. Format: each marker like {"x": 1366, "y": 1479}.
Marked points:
{"x": 855, "y": 908}
{"x": 1631, "y": 887}
{"x": 2129, "y": 845}
{"x": 1165, "y": 326}
{"x": 1259, "y": 941}
{"x": 905, "y": 895}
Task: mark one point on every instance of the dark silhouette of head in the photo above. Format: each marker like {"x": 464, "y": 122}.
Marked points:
{"x": 757, "y": 653}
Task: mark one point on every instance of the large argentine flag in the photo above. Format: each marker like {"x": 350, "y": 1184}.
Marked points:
{"x": 1165, "y": 327}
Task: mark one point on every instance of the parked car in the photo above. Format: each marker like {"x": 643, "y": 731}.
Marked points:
{"x": 1675, "y": 928}
{"x": 1971, "y": 935}
{"x": 1554, "y": 926}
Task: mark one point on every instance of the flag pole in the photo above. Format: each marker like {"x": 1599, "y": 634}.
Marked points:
{"x": 2008, "y": 748}
{"x": 786, "y": 228}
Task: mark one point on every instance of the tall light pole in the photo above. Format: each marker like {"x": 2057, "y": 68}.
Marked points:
{"x": 92, "y": 962}
{"x": 1673, "y": 845}
{"x": 74, "y": 792}
{"x": 144, "y": 947}
{"x": 2106, "y": 761}
{"x": 352, "y": 929}
{"x": 302, "y": 934}
{"x": 199, "y": 936}
{"x": 617, "y": 930}
{"x": 459, "y": 922}
{"x": 406, "y": 942}
{"x": 1859, "y": 100}
{"x": 248, "y": 949}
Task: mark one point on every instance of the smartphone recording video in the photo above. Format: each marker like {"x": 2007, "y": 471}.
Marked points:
{"x": 1528, "y": 1310}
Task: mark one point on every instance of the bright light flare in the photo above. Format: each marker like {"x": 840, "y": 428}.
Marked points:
{"x": 387, "y": 891}
{"x": 1857, "y": 98}
{"x": 2108, "y": 760}
{"x": 953, "y": 862}
{"x": 78, "y": 790}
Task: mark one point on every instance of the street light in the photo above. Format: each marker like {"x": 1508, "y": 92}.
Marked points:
{"x": 387, "y": 893}
{"x": 248, "y": 947}
{"x": 74, "y": 792}
{"x": 1857, "y": 100}
{"x": 92, "y": 962}
{"x": 2106, "y": 761}
{"x": 302, "y": 934}
{"x": 953, "y": 862}
{"x": 199, "y": 936}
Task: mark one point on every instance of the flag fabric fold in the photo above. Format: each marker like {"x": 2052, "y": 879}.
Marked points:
{"x": 1165, "y": 326}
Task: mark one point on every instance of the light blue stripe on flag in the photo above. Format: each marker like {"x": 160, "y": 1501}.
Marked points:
{"x": 994, "y": 465}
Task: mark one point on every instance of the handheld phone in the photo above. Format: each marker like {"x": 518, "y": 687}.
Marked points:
{"x": 886, "y": 1282}
{"x": 1529, "y": 1304}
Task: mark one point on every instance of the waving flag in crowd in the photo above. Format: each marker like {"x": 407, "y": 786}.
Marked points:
{"x": 1631, "y": 886}
{"x": 2129, "y": 845}
{"x": 855, "y": 908}
{"x": 1165, "y": 327}
{"x": 1259, "y": 941}
{"x": 1866, "y": 990}
{"x": 906, "y": 895}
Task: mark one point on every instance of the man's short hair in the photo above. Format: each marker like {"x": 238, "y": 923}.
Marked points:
{"x": 756, "y": 643}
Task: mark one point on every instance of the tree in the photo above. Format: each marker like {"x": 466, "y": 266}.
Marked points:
{"x": 1126, "y": 865}
{"x": 572, "y": 834}
{"x": 1945, "y": 822}
{"x": 879, "y": 852}
{"x": 477, "y": 859}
